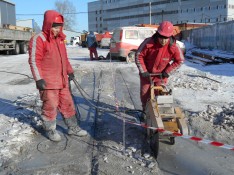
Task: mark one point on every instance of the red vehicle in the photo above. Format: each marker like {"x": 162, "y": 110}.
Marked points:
{"x": 126, "y": 40}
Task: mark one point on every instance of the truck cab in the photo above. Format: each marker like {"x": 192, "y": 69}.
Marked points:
{"x": 75, "y": 41}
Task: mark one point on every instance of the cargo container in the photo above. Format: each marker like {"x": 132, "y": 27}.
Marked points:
{"x": 13, "y": 39}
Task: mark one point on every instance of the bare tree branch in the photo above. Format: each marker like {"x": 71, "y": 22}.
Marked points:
{"x": 68, "y": 10}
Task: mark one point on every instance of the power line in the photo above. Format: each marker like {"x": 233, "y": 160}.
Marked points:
{"x": 43, "y": 14}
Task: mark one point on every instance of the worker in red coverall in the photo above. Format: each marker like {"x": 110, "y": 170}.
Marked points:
{"x": 52, "y": 72}
{"x": 157, "y": 54}
{"x": 92, "y": 45}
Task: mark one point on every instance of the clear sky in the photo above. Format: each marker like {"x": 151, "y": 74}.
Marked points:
{"x": 40, "y": 6}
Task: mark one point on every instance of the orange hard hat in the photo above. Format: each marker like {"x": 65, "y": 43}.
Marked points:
{"x": 166, "y": 29}
{"x": 58, "y": 19}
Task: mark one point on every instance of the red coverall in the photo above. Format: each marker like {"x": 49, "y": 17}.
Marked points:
{"x": 48, "y": 60}
{"x": 155, "y": 58}
{"x": 93, "y": 50}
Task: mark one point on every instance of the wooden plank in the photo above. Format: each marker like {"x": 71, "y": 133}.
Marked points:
{"x": 153, "y": 114}
{"x": 181, "y": 121}
{"x": 12, "y": 27}
{"x": 171, "y": 126}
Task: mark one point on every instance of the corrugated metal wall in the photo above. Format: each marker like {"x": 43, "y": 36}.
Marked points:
{"x": 217, "y": 36}
{"x": 7, "y": 13}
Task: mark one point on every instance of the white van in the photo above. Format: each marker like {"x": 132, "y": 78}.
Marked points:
{"x": 126, "y": 40}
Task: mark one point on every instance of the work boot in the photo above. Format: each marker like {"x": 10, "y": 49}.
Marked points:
{"x": 142, "y": 117}
{"x": 51, "y": 133}
{"x": 73, "y": 128}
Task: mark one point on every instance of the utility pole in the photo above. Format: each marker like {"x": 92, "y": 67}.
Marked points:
{"x": 162, "y": 15}
{"x": 150, "y": 11}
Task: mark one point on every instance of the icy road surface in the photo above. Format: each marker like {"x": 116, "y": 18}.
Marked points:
{"x": 205, "y": 93}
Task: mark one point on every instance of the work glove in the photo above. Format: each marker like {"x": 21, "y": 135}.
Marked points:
{"x": 41, "y": 84}
{"x": 71, "y": 76}
{"x": 145, "y": 74}
{"x": 164, "y": 74}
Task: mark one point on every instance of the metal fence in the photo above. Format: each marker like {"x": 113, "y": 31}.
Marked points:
{"x": 218, "y": 36}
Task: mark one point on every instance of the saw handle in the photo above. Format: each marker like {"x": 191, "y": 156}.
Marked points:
{"x": 154, "y": 75}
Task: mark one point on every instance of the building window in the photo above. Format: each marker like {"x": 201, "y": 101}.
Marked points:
{"x": 198, "y": 9}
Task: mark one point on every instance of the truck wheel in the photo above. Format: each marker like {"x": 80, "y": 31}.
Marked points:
{"x": 131, "y": 57}
{"x": 122, "y": 58}
{"x": 23, "y": 48}
{"x": 16, "y": 51}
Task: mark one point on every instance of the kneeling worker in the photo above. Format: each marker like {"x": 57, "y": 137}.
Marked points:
{"x": 157, "y": 54}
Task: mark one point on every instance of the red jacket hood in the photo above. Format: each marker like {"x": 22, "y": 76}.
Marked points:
{"x": 49, "y": 18}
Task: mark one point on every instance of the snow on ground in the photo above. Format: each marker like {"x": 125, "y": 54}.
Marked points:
{"x": 206, "y": 93}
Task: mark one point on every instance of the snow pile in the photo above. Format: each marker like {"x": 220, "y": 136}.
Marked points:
{"x": 215, "y": 123}
{"x": 195, "y": 81}
{"x": 224, "y": 117}
{"x": 20, "y": 128}
{"x": 221, "y": 117}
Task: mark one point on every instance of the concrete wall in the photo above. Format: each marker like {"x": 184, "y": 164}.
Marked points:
{"x": 217, "y": 36}
{"x": 29, "y": 23}
{"x": 26, "y": 23}
{"x": 70, "y": 34}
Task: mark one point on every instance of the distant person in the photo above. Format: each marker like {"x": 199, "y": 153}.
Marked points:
{"x": 92, "y": 45}
{"x": 52, "y": 71}
{"x": 157, "y": 54}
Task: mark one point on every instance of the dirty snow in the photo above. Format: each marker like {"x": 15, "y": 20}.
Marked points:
{"x": 205, "y": 93}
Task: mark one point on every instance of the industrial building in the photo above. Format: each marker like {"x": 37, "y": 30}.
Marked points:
{"x": 106, "y": 15}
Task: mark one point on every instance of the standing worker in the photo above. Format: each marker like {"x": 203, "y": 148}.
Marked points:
{"x": 92, "y": 45}
{"x": 52, "y": 71}
{"x": 157, "y": 54}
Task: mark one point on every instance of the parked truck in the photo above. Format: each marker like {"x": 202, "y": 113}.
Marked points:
{"x": 83, "y": 39}
{"x": 14, "y": 39}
